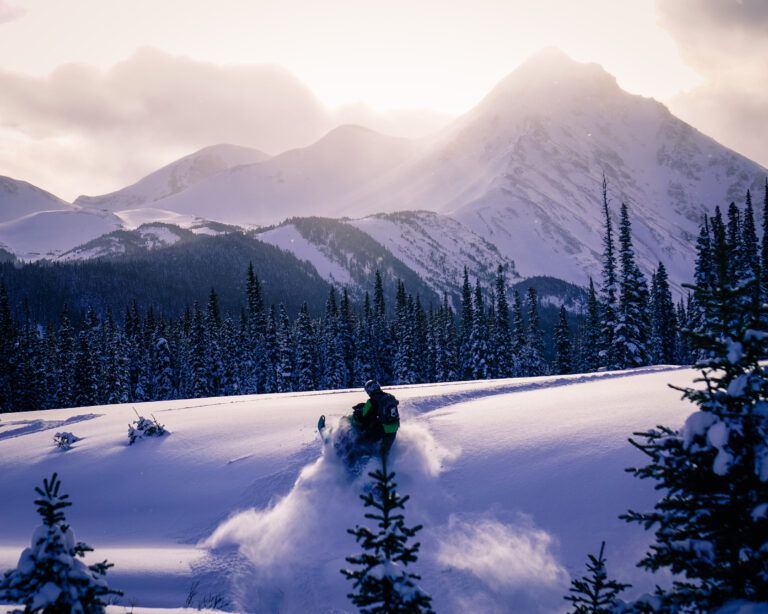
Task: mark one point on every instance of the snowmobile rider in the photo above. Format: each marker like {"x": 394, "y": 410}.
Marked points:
{"x": 377, "y": 419}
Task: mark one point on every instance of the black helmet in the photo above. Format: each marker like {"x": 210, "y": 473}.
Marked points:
{"x": 372, "y": 386}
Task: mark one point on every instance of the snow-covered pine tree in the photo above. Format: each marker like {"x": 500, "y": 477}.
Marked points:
{"x": 382, "y": 352}
{"x": 85, "y": 383}
{"x": 232, "y": 358}
{"x": 595, "y": 593}
{"x": 334, "y": 368}
{"x": 590, "y": 333}
{"x": 467, "y": 325}
{"x": 7, "y": 342}
{"x": 421, "y": 353}
{"x": 533, "y": 353}
{"x": 609, "y": 289}
{"x": 163, "y": 377}
{"x": 51, "y": 576}
{"x": 478, "y": 341}
{"x": 214, "y": 357}
{"x": 294, "y": 351}
{"x": 382, "y": 582}
{"x": 199, "y": 374}
{"x": 502, "y": 342}
{"x": 711, "y": 524}
{"x": 254, "y": 367}
{"x": 630, "y": 338}
{"x": 749, "y": 253}
{"x": 116, "y": 375}
{"x": 346, "y": 334}
{"x": 405, "y": 371}
{"x": 519, "y": 339}
{"x": 663, "y": 320}
{"x": 764, "y": 251}
{"x": 562, "y": 338}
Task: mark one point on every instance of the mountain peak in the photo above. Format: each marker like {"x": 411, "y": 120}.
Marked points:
{"x": 552, "y": 70}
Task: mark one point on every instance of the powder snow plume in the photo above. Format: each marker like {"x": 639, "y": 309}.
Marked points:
{"x": 287, "y": 556}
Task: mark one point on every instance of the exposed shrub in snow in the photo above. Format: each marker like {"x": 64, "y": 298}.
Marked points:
{"x": 382, "y": 584}
{"x": 144, "y": 427}
{"x": 64, "y": 440}
{"x": 50, "y": 577}
{"x": 595, "y": 593}
{"x": 711, "y": 524}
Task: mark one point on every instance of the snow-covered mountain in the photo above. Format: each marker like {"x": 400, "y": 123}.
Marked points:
{"x": 19, "y": 198}
{"x": 175, "y": 177}
{"x": 437, "y": 247}
{"x": 312, "y": 180}
{"x": 47, "y": 234}
{"x": 418, "y": 247}
{"x": 515, "y": 481}
{"x": 524, "y": 167}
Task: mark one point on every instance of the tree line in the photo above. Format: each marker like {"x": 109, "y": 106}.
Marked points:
{"x": 205, "y": 352}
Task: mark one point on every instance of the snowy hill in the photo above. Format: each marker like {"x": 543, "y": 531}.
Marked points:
{"x": 523, "y": 169}
{"x": 143, "y": 239}
{"x": 514, "y": 481}
{"x": 437, "y": 247}
{"x": 47, "y": 234}
{"x": 19, "y": 198}
{"x": 175, "y": 177}
{"x": 344, "y": 255}
{"x": 420, "y": 247}
{"x": 309, "y": 181}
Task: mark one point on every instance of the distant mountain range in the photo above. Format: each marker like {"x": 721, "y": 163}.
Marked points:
{"x": 514, "y": 182}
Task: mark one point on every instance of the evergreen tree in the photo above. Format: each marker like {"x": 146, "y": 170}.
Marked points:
{"x": 533, "y": 353}
{"x": 595, "y": 593}
{"x": 163, "y": 378}
{"x": 382, "y": 584}
{"x": 299, "y": 346}
{"x": 502, "y": 342}
{"x": 630, "y": 337}
{"x": 7, "y": 346}
{"x": 563, "y": 364}
{"x": 304, "y": 351}
{"x": 465, "y": 331}
{"x": 405, "y": 371}
{"x": 590, "y": 334}
{"x": 519, "y": 340}
{"x": 478, "y": 341}
{"x": 711, "y": 524}
{"x": 50, "y": 576}
{"x": 609, "y": 289}
{"x": 764, "y": 250}
{"x": 200, "y": 383}
{"x": 663, "y": 320}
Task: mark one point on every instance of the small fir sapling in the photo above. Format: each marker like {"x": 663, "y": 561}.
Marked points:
{"x": 142, "y": 428}
{"x": 51, "y": 576}
{"x": 382, "y": 584}
{"x": 595, "y": 593}
{"x": 64, "y": 440}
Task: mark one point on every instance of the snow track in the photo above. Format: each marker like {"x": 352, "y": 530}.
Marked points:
{"x": 514, "y": 481}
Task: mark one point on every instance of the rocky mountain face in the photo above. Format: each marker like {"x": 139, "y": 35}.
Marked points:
{"x": 524, "y": 170}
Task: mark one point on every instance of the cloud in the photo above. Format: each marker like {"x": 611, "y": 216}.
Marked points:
{"x": 9, "y": 12}
{"x": 98, "y": 130}
{"x": 726, "y": 41}
{"x": 151, "y": 108}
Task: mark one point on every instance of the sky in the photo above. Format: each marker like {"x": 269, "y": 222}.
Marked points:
{"x": 96, "y": 93}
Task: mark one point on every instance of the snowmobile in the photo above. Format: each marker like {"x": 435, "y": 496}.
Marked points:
{"x": 349, "y": 444}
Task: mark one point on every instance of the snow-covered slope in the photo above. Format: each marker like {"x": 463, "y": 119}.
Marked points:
{"x": 47, "y": 234}
{"x": 312, "y": 180}
{"x": 514, "y": 481}
{"x": 19, "y": 198}
{"x": 524, "y": 167}
{"x": 143, "y": 239}
{"x": 175, "y": 177}
{"x": 437, "y": 247}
